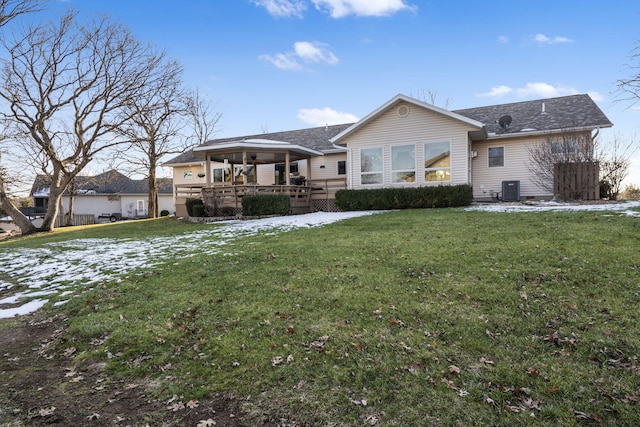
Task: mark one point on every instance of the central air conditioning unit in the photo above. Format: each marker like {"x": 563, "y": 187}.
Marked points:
{"x": 510, "y": 191}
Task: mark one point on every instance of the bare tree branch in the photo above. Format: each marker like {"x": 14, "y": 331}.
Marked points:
{"x": 68, "y": 87}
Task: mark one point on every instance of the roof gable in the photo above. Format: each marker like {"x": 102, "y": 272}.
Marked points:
{"x": 400, "y": 99}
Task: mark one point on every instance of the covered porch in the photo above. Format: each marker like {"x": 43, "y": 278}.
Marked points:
{"x": 232, "y": 170}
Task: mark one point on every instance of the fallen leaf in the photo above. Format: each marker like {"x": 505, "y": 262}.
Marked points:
{"x": 46, "y": 411}
{"x": 93, "y": 417}
{"x": 487, "y": 361}
{"x": 68, "y": 352}
{"x": 532, "y": 371}
{"x": 290, "y": 358}
{"x": 276, "y": 361}
{"x": 489, "y": 400}
{"x": 177, "y": 406}
{"x": 192, "y": 404}
{"x": 206, "y": 423}
{"x": 454, "y": 370}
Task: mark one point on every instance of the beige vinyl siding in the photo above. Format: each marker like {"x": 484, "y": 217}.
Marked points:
{"x": 419, "y": 127}
{"x": 179, "y": 179}
{"x": 516, "y": 168}
{"x": 330, "y": 163}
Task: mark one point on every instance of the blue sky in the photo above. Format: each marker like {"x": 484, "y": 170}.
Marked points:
{"x": 272, "y": 65}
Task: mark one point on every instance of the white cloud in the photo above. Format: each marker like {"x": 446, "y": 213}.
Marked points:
{"x": 304, "y": 52}
{"x": 342, "y": 8}
{"x": 283, "y": 8}
{"x": 596, "y": 96}
{"x": 325, "y": 116}
{"x": 544, "y": 90}
{"x": 503, "y": 39}
{"x": 496, "y": 91}
{"x": 315, "y": 52}
{"x": 541, "y": 38}
{"x": 535, "y": 89}
{"x": 283, "y": 61}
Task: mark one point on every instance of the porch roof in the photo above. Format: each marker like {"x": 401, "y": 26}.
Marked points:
{"x": 255, "y": 151}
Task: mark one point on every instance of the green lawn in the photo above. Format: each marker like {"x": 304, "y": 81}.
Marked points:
{"x": 425, "y": 317}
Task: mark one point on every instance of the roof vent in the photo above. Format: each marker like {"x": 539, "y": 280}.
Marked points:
{"x": 505, "y": 121}
{"x": 403, "y": 110}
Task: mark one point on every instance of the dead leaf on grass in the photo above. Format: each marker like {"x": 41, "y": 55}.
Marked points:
{"x": 47, "y": 411}
{"x": 93, "y": 417}
{"x": 206, "y": 423}
{"x": 454, "y": 370}
{"x": 68, "y": 352}
{"x": 192, "y": 404}
{"x": 176, "y": 406}
{"x": 487, "y": 361}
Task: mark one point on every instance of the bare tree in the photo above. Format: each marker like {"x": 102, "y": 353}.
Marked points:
{"x": 629, "y": 87}
{"x": 615, "y": 161}
{"x": 67, "y": 86}
{"x": 202, "y": 119}
{"x": 168, "y": 120}
{"x": 11, "y": 9}
{"x": 573, "y": 149}
{"x": 154, "y": 128}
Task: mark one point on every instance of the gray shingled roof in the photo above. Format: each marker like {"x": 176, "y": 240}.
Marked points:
{"x": 314, "y": 138}
{"x": 566, "y": 112}
{"x": 110, "y": 182}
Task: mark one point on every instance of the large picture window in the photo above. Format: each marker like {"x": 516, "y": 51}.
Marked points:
{"x": 371, "y": 166}
{"x": 437, "y": 161}
{"x": 496, "y": 157}
{"x": 403, "y": 164}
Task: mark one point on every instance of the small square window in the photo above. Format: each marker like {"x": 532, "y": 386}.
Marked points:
{"x": 187, "y": 174}
{"x": 496, "y": 157}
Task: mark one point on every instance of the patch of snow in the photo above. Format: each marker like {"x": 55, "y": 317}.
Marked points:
{"x": 624, "y": 208}
{"x": 27, "y": 308}
{"x": 62, "y": 267}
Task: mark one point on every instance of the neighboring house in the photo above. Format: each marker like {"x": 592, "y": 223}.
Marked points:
{"x": 403, "y": 143}
{"x": 107, "y": 194}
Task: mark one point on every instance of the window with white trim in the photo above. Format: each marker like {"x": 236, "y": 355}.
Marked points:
{"x": 403, "y": 164}
{"x": 342, "y": 167}
{"x": 437, "y": 161}
{"x": 371, "y": 166}
{"x": 496, "y": 157}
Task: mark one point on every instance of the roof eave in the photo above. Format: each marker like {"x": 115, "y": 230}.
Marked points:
{"x": 546, "y": 132}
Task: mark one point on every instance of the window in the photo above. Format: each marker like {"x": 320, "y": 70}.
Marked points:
{"x": 342, "y": 167}
{"x": 437, "y": 161}
{"x": 371, "y": 166}
{"x": 563, "y": 147}
{"x": 187, "y": 174}
{"x": 496, "y": 157}
{"x": 403, "y": 164}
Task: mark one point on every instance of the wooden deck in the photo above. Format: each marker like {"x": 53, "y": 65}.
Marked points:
{"x": 315, "y": 195}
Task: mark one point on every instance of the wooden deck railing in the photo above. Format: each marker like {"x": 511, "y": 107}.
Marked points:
{"x": 230, "y": 195}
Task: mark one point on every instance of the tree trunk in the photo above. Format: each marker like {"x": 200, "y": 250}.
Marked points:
{"x": 153, "y": 194}
{"x": 26, "y": 226}
{"x": 55, "y": 196}
{"x": 72, "y": 193}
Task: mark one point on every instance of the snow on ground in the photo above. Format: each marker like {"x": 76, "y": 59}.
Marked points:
{"x": 624, "y": 208}
{"x": 60, "y": 268}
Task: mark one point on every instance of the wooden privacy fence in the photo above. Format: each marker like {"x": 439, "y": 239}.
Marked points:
{"x": 61, "y": 221}
{"x": 577, "y": 180}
